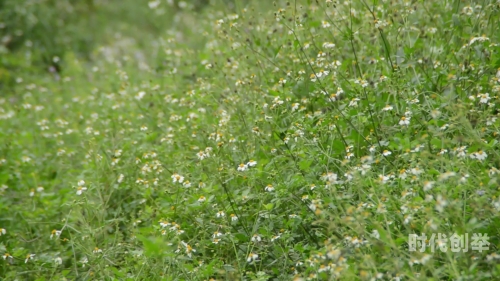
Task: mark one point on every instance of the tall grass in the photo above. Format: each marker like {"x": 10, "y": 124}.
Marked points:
{"x": 299, "y": 140}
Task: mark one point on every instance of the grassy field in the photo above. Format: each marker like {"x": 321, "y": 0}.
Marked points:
{"x": 250, "y": 140}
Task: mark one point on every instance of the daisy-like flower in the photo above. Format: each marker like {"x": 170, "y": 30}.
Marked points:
{"x": 97, "y": 251}
{"x": 58, "y": 260}
{"x": 202, "y": 199}
{"x": 269, "y": 188}
{"x": 404, "y": 121}
{"x": 256, "y": 238}
{"x": 251, "y": 163}
{"x": 189, "y": 249}
{"x": 7, "y": 256}
{"x": 386, "y": 153}
{"x": 201, "y": 155}
{"x": 275, "y": 237}
{"x": 252, "y": 257}
{"x": 242, "y": 167}
{"x": 177, "y": 178}
{"x": 3, "y": 231}
{"x": 484, "y": 98}
{"x": 164, "y": 223}
{"x": 328, "y": 45}
{"x": 220, "y": 214}
{"x": 84, "y": 261}
{"x": 387, "y": 108}
{"x": 480, "y": 155}
{"x": 428, "y": 185}
{"x": 416, "y": 171}
{"x": 383, "y": 178}
{"x": 29, "y": 257}
{"x": 440, "y": 203}
{"x": 80, "y": 190}
{"x": 186, "y": 184}
{"x": 234, "y": 217}
{"x": 55, "y": 233}
{"x": 216, "y": 234}
{"x": 81, "y": 183}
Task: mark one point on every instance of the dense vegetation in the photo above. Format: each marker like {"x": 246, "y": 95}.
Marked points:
{"x": 249, "y": 140}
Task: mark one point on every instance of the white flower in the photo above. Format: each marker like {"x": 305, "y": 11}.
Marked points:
{"x": 252, "y": 257}
{"x": 234, "y": 217}
{"x": 187, "y": 184}
{"x": 269, "y": 188}
{"x": 242, "y": 167}
{"x": 275, "y": 237}
{"x": 80, "y": 190}
{"x": 386, "y": 153}
{"x": 164, "y": 224}
{"x": 416, "y": 171}
{"x": 154, "y": 4}
{"x": 220, "y": 214}
{"x": 55, "y": 233}
{"x": 202, "y": 199}
{"x": 328, "y": 45}
{"x": 383, "y": 179}
{"x": 2, "y": 231}
{"x": 120, "y": 178}
{"x": 404, "y": 121}
{"x": 201, "y": 155}
{"x": 375, "y": 234}
{"x": 189, "y": 249}
{"x": 29, "y": 257}
{"x": 177, "y": 178}
{"x": 251, "y": 163}
{"x": 354, "y": 102}
{"x": 140, "y": 95}
{"x": 480, "y": 155}
{"x": 256, "y": 238}
{"x": 97, "y": 251}
{"x": 387, "y": 108}
{"x": 484, "y": 98}
{"x": 81, "y": 183}
{"x": 428, "y": 185}
{"x": 440, "y": 203}
{"x": 84, "y": 261}
{"x": 58, "y": 260}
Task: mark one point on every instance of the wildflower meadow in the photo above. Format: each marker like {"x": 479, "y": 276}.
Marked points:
{"x": 249, "y": 140}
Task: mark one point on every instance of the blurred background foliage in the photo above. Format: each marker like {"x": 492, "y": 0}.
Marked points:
{"x": 36, "y": 34}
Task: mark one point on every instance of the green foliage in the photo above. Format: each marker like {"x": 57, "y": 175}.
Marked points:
{"x": 224, "y": 140}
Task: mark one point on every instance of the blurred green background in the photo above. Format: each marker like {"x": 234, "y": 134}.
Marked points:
{"x": 36, "y": 34}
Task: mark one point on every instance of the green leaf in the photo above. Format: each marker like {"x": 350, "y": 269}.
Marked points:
{"x": 151, "y": 247}
{"x": 305, "y": 164}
